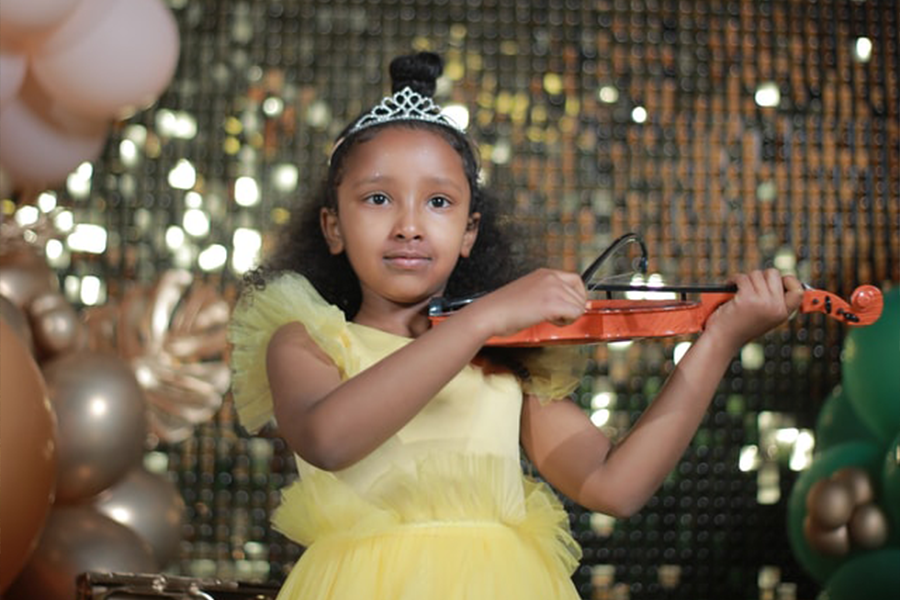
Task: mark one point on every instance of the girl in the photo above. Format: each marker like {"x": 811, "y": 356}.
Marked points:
{"x": 408, "y": 437}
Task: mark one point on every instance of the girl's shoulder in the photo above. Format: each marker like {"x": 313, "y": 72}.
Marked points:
{"x": 257, "y": 316}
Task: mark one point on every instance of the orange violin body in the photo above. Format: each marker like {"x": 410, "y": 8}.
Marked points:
{"x": 616, "y": 320}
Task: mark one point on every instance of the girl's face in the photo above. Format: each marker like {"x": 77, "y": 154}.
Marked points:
{"x": 402, "y": 216}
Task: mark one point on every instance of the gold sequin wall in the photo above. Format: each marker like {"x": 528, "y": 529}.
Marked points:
{"x": 731, "y": 135}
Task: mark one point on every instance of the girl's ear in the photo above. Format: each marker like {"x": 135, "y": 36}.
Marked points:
{"x": 331, "y": 229}
{"x": 470, "y": 235}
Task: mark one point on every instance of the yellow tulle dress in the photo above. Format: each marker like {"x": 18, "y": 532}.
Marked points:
{"x": 441, "y": 510}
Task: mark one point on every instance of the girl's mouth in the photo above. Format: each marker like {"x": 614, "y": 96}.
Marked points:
{"x": 407, "y": 261}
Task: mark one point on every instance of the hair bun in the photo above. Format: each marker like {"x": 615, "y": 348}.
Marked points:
{"x": 417, "y": 71}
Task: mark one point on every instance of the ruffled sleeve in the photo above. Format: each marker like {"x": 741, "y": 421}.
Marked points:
{"x": 554, "y": 372}
{"x": 257, "y": 315}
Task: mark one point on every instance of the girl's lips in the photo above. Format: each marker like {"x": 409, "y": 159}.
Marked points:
{"x": 406, "y": 261}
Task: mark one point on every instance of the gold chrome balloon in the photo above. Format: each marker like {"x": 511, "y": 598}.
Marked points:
{"x": 78, "y": 539}
{"x": 102, "y": 421}
{"x": 858, "y": 481}
{"x": 831, "y": 542}
{"x": 829, "y": 503}
{"x": 55, "y": 324}
{"x": 868, "y": 527}
{"x": 150, "y": 505}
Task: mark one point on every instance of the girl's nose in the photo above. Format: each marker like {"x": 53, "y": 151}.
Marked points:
{"x": 407, "y": 226}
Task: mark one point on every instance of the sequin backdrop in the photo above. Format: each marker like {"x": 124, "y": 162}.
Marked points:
{"x": 731, "y": 135}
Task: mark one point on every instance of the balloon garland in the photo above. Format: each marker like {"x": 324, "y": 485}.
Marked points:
{"x": 68, "y": 70}
{"x": 82, "y": 397}
{"x": 844, "y": 510}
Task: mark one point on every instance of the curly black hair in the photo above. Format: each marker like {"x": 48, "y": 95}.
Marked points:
{"x": 498, "y": 256}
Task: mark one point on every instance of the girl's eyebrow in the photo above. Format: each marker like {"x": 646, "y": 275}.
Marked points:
{"x": 446, "y": 181}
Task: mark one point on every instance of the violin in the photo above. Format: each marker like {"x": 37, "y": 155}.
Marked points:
{"x": 610, "y": 320}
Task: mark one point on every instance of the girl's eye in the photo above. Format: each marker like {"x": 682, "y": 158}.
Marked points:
{"x": 377, "y": 199}
{"x": 439, "y": 202}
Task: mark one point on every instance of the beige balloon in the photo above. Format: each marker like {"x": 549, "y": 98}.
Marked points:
{"x": 102, "y": 421}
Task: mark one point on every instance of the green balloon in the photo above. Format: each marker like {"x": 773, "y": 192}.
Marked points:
{"x": 864, "y": 455}
{"x": 873, "y": 576}
{"x": 870, "y": 369}
{"x": 838, "y": 422}
{"x": 890, "y": 486}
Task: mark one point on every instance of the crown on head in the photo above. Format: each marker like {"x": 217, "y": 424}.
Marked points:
{"x": 404, "y": 105}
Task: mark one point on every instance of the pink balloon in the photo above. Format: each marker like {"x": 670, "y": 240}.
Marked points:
{"x": 110, "y": 58}
{"x": 42, "y": 143}
{"x": 12, "y": 72}
{"x": 25, "y": 17}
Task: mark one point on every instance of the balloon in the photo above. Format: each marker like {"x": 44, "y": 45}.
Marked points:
{"x": 868, "y": 527}
{"x": 12, "y": 72}
{"x": 57, "y": 113}
{"x": 829, "y": 503}
{"x": 26, "y": 17}
{"x": 38, "y": 152}
{"x": 28, "y": 455}
{"x": 17, "y": 321}
{"x": 102, "y": 423}
{"x": 78, "y": 539}
{"x": 150, "y": 505}
{"x": 870, "y": 356}
{"x": 6, "y": 184}
{"x": 830, "y": 542}
{"x": 890, "y": 481}
{"x": 872, "y": 576}
{"x": 858, "y": 482}
{"x": 55, "y": 324}
{"x": 24, "y": 275}
{"x": 838, "y": 422}
{"x": 110, "y": 57}
{"x": 863, "y": 455}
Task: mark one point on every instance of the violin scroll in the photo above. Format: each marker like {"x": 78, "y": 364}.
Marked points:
{"x": 864, "y": 308}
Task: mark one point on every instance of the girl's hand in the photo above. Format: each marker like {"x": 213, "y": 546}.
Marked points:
{"x": 550, "y": 295}
{"x": 763, "y": 301}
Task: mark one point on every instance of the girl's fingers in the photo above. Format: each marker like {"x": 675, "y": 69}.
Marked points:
{"x": 741, "y": 280}
{"x": 761, "y": 283}
{"x": 793, "y": 293}
{"x": 774, "y": 282}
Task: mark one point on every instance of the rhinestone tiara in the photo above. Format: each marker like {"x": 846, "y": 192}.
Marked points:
{"x": 404, "y": 105}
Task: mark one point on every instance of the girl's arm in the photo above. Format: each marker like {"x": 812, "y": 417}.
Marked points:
{"x": 581, "y": 462}
{"x": 332, "y": 424}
